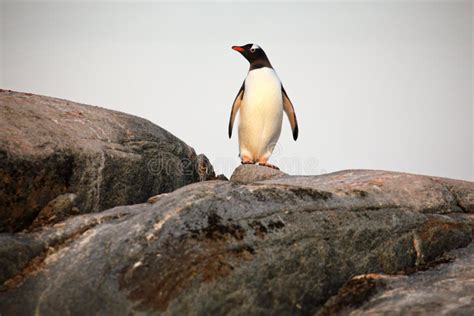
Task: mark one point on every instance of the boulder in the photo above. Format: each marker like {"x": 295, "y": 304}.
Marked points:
{"x": 286, "y": 245}
{"x": 50, "y": 147}
{"x": 254, "y": 173}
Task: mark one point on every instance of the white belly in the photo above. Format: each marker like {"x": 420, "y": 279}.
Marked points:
{"x": 261, "y": 113}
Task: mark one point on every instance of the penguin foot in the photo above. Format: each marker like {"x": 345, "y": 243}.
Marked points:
{"x": 269, "y": 165}
{"x": 247, "y": 161}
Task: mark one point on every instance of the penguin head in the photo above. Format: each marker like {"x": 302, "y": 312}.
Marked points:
{"x": 253, "y": 53}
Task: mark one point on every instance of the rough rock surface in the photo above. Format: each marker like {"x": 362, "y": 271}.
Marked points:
{"x": 50, "y": 147}
{"x": 253, "y": 173}
{"x": 447, "y": 289}
{"x": 279, "y": 246}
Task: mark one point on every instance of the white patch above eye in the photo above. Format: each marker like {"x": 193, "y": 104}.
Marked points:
{"x": 254, "y": 46}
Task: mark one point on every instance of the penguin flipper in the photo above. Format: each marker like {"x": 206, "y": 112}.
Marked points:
{"x": 290, "y": 112}
{"x": 236, "y": 107}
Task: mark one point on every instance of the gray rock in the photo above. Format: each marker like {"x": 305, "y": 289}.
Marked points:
{"x": 280, "y": 246}
{"x": 221, "y": 177}
{"x": 253, "y": 173}
{"x": 16, "y": 252}
{"x": 443, "y": 290}
{"x": 50, "y": 147}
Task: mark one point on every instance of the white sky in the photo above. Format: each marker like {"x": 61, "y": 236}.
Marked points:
{"x": 376, "y": 85}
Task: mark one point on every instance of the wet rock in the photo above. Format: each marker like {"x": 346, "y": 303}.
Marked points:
{"x": 50, "y": 147}
{"x": 279, "y": 246}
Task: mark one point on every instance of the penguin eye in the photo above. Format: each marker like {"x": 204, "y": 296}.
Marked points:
{"x": 252, "y": 50}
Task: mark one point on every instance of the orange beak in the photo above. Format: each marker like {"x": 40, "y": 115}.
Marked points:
{"x": 238, "y": 48}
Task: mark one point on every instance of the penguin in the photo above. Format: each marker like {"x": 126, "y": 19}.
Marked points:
{"x": 261, "y": 101}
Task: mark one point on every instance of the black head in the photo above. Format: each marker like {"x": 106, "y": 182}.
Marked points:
{"x": 254, "y": 54}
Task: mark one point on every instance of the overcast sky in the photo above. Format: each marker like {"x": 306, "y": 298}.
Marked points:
{"x": 376, "y": 85}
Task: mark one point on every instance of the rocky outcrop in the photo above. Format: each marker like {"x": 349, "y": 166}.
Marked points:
{"x": 53, "y": 151}
{"x": 287, "y": 245}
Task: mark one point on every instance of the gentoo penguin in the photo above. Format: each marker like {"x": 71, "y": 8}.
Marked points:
{"x": 261, "y": 101}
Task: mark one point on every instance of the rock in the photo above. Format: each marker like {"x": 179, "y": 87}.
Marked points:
{"x": 203, "y": 168}
{"x": 16, "y": 252}
{"x": 446, "y": 289}
{"x": 462, "y": 192}
{"x": 279, "y": 246}
{"x": 221, "y": 177}
{"x": 354, "y": 293}
{"x": 155, "y": 198}
{"x": 254, "y": 173}
{"x": 57, "y": 210}
{"x": 50, "y": 147}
